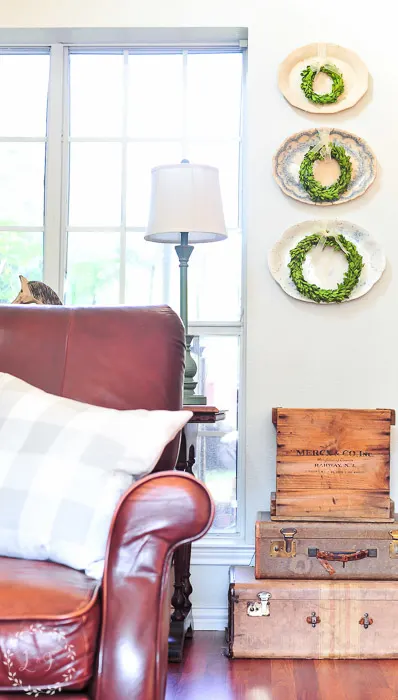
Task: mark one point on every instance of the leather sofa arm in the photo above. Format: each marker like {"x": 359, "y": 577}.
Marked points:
{"x": 156, "y": 515}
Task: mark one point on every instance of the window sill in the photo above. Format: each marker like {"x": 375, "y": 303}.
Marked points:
{"x": 216, "y": 553}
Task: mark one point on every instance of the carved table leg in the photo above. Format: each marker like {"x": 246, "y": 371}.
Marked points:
{"x": 182, "y": 556}
{"x": 186, "y": 583}
{"x": 178, "y": 600}
{"x": 181, "y": 625}
{"x": 186, "y": 573}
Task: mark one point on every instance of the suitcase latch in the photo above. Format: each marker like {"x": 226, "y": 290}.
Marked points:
{"x": 366, "y": 621}
{"x": 313, "y": 619}
{"x": 394, "y": 544}
{"x": 287, "y": 548}
{"x": 288, "y": 533}
{"x": 278, "y": 549}
{"x": 261, "y": 609}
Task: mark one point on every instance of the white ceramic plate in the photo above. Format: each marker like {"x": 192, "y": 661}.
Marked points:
{"x": 326, "y": 267}
{"x": 355, "y": 76}
{"x": 287, "y": 160}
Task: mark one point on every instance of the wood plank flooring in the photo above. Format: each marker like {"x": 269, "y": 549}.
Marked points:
{"x": 206, "y": 674}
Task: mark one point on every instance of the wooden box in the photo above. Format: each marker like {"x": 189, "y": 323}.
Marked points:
{"x": 333, "y": 464}
{"x": 274, "y": 618}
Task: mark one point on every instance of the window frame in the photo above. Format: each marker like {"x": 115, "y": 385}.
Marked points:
{"x": 56, "y": 198}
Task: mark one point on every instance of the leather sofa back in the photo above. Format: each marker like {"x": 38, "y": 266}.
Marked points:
{"x": 118, "y": 357}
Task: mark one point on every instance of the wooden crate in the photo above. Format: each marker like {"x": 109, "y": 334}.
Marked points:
{"x": 333, "y": 464}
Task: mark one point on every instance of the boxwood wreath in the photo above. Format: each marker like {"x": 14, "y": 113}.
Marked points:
{"x": 312, "y": 291}
{"x": 317, "y": 191}
{"x": 307, "y": 82}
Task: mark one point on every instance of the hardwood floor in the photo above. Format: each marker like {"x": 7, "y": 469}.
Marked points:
{"x": 206, "y": 674}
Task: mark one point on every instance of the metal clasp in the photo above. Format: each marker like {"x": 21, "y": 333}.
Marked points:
{"x": 288, "y": 533}
{"x": 287, "y": 548}
{"x": 313, "y": 619}
{"x": 261, "y": 609}
{"x": 366, "y": 621}
{"x": 393, "y": 548}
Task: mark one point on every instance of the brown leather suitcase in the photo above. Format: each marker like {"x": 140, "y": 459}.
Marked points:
{"x": 274, "y": 618}
{"x": 316, "y": 550}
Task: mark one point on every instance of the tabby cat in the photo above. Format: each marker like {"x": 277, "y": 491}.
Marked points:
{"x": 36, "y": 293}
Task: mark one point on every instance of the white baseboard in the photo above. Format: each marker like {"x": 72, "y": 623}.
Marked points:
{"x": 210, "y": 618}
{"x": 215, "y": 558}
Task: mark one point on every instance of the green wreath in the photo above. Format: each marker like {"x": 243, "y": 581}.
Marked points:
{"x": 312, "y": 291}
{"x": 317, "y": 191}
{"x": 307, "y": 82}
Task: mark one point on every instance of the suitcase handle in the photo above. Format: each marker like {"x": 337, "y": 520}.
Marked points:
{"x": 343, "y": 556}
{"x": 326, "y": 557}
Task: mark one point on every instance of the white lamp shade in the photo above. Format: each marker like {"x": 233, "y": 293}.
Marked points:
{"x": 185, "y": 198}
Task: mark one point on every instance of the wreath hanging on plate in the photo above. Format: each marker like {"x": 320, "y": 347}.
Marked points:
{"x": 321, "y": 151}
{"x": 347, "y": 75}
{"x": 351, "y": 278}
{"x": 308, "y": 76}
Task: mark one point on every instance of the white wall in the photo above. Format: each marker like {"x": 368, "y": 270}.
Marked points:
{"x": 297, "y": 354}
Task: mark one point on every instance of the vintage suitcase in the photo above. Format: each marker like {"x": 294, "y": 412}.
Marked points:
{"x": 309, "y": 550}
{"x": 332, "y": 464}
{"x": 275, "y": 618}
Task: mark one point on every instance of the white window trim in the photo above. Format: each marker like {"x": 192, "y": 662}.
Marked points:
{"x": 54, "y": 173}
{"x": 222, "y": 37}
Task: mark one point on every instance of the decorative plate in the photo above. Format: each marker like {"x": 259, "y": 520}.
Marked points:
{"x": 326, "y": 268}
{"x": 352, "y": 68}
{"x": 286, "y": 164}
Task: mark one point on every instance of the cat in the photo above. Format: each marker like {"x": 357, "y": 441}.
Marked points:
{"x": 36, "y": 293}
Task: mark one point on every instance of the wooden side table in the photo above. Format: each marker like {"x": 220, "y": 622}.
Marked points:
{"x": 181, "y": 625}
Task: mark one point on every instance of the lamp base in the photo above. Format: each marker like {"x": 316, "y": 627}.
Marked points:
{"x": 194, "y": 399}
{"x": 190, "y": 398}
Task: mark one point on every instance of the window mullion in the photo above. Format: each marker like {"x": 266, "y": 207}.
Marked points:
{"x": 123, "y": 236}
{"x": 184, "y": 104}
{"x": 65, "y": 167}
{"x": 53, "y": 181}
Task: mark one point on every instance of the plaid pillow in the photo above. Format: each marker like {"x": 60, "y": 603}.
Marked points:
{"x": 64, "y": 465}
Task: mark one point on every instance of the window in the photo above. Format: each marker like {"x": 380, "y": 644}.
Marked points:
{"x": 120, "y": 112}
{"x": 23, "y": 128}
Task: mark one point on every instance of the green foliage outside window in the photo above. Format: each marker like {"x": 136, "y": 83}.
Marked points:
{"x": 20, "y": 254}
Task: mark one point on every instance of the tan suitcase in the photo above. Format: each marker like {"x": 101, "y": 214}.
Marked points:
{"x": 273, "y": 618}
{"x": 315, "y": 550}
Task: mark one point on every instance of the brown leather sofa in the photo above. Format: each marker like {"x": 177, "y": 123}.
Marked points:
{"x": 60, "y": 630}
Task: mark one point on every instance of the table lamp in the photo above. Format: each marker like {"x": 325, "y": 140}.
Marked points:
{"x": 186, "y": 208}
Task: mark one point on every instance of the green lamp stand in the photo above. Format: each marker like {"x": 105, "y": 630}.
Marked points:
{"x": 186, "y": 208}
{"x": 184, "y": 251}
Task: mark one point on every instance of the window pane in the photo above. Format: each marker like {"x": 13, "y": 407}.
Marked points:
{"x": 219, "y": 375}
{"x": 155, "y": 96}
{"x": 22, "y": 183}
{"x": 145, "y": 271}
{"x": 207, "y": 266}
{"x": 20, "y": 254}
{"x": 95, "y": 184}
{"x": 214, "y": 95}
{"x": 23, "y": 89}
{"x": 93, "y": 268}
{"x": 217, "y": 454}
{"x": 225, "y": 157}
{"x": 96, "y": 95}
{"x": 141, "y": 158}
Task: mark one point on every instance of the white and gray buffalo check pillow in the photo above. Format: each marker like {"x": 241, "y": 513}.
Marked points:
{"x": 64, "y": 466}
